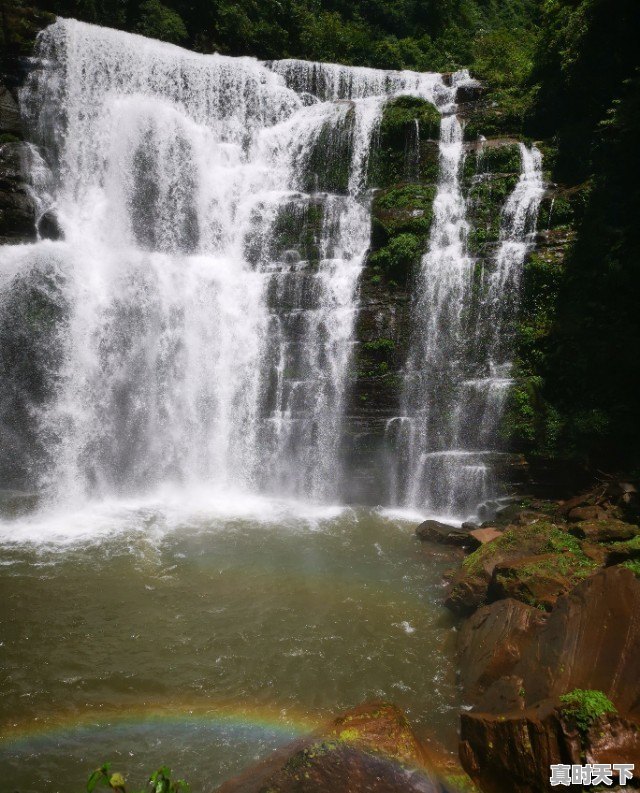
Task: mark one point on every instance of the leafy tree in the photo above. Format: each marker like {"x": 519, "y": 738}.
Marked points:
{"x": 160, "y": 22}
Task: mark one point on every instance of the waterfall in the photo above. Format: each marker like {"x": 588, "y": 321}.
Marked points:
{"x": 457, "y": 373}
{"x": 200, "y": 306}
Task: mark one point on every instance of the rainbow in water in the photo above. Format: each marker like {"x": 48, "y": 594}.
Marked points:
{"x": 281, "y": 723}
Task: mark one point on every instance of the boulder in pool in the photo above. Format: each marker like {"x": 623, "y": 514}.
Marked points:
{"x": 369, "y": 748}
{"x": 442, "y": 533}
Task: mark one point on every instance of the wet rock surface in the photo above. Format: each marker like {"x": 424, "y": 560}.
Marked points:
{"x": 534, "y": 563}
{"x": 17, "y": 208}
{"x": 434, "y": 531}
{"x": 369, "y": 748}
{"x": 514, "y": 751}
{"x": 591, "y": 640}
{"x": 492, "y": 641}
{"x": 552, "y": 602}
{"x": 604, "y": 530}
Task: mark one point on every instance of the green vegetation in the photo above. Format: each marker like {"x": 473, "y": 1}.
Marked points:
{"x": 566, "y": 555}
{"x": 406, "y": 147}
{"x": 297, "y": 227}
{"x": 159, "y": 782}
{"x": 426, "y": 35}
{"x": 586, "y": 706}
{"x": 160, "y": 22}
{"x": 398, "y": 257}
{"x": 633, "y": 565}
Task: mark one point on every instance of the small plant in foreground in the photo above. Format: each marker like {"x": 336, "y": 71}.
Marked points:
{"x": 159, "y": 782}
{"x": 585, "y": 706}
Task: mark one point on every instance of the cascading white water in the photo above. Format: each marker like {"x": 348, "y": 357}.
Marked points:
{"x": 191, "y": 347}
{"x": 457, "y": 376}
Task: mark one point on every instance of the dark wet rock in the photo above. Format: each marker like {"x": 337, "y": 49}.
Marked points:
{"x": 467, "y": 592}
{"x": 513, "y": 752}
{"x": 470, "y": 525}
{"x": 434, "y": 531}
{"x": 620, "y": 552}
{"x": 503, "y": 696}
{"x": 48, "y": 226}
{"x": 9, "y": 113}
{"x": 469, "y": 92}
{"x": 369, "y": 748}
{"x": 492, "y": 641}
{"x": 613, "y": 739}
{"x": 17, "y": 208}
{"x": 604, "y": 530}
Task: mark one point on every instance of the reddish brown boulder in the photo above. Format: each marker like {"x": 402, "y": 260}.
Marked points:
{"x": 613, "y": 739}
{"x": 369, "y": 748}
{"x": 536, "y": 580}
{"x": 604, "y": 530}
{"x": 513, "y": 752}
{"x": 492, "y": 641}
{"x": 583, "y": 500}
{"x": 591, "y": 640}
{"x": 483, "y": 536}
{"x": 593, "y": 512}
{"x": 470, "y": 587}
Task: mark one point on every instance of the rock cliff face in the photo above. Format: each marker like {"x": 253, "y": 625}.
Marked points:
{"x": 17, "y": 206}
{"x": 549, "y": 656}
{"x": 404, "y": 168}
{"x": 18, "y": 213}
{"x": 513, "y": 752}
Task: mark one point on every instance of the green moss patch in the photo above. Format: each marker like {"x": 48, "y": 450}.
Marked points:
{"x": 545, "y": 562}
{"x": 402, "y": 151}
{"x": 633, "y": 565}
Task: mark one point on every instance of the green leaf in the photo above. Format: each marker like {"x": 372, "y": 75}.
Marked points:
{"x": 99, "y": 776}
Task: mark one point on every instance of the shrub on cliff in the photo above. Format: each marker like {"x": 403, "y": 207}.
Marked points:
{"x": 585, "y": 706}
{"x": 160, "y": 22}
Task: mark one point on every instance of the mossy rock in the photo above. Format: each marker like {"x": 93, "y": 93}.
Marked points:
{"x": 493, "y": 158}
{"x": 540, "y": 580}
{"x": 404, "y": 208}
{"x": 487, "y": 193}
{"x": 627, "y": 552}
{"x": 633, "y": 565}
{"x": 398, "y": 258}
{"x": 585, "y": 707}
{"x": 406, "y": 146}
{"x": 376, "y": 358}
{"x": 297, "y": 228}
{"x": 564, "y": 208}
{"x": 605, "y": 530}
{"x": 502, "y": 113}
{"x": 327, "y": 165}
{"x": 525, "y": 545}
